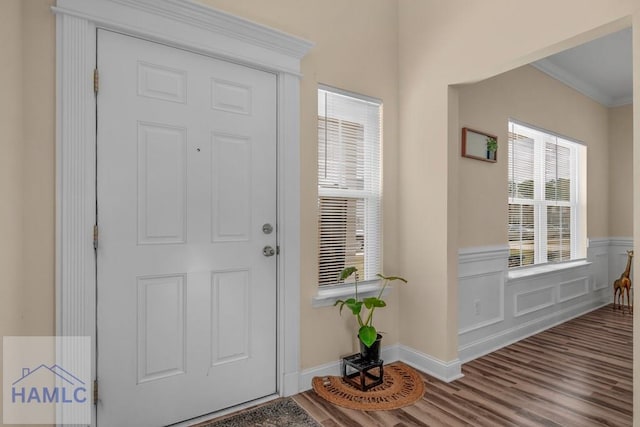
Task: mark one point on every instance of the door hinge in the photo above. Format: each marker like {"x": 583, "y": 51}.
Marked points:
{"x": 95, "y": 236}
{"x": 96, "y": 81}
{"x": 95, "y": 392}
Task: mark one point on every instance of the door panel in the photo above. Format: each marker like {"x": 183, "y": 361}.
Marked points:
{"x": 230, "y": 325}
{"x": 161, "y": 319}
{"x": 231, "y": 187}
{"x": 162, "y": 184}
{"x": 186, "y": 178}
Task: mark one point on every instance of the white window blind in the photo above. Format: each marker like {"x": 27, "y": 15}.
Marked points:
{"x": 545, "y": 183}
{"x": 349, "y": 187}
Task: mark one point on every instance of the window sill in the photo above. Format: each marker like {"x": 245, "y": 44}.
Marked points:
{"x": 328, "y": 297}
{"x": 541, "y": 270}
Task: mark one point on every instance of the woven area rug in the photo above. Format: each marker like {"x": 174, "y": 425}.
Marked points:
{"x": 401, "y": 386}
{"x": 281, "y": 412}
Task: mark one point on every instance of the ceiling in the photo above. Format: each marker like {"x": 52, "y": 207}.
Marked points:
{"x": 600, "y": 69}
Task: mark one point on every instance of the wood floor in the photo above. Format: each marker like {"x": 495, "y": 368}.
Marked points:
{"x": 575, "y": 374}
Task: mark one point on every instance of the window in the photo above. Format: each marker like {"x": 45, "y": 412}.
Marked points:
{"x": 547, "y": 187}
{"x": 349, "y": 191}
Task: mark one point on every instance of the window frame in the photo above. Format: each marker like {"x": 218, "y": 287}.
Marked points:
{"x": 539, "y": 202}
{"x": 371, "y": 194}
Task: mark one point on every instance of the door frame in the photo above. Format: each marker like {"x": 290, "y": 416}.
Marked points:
{"x": 193, "y": 27}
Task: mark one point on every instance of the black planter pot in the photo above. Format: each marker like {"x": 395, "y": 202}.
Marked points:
{"x": 373, "y": 352}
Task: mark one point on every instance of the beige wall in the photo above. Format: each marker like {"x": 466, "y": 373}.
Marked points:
{"x": 530, "y": 96}
{"x": 407, "y": 56}
{"x": 38, "y": 173}
{"x": 11, "y": 260}
{"x": 444, "y": 43}
{"x": 621, "y": 171}
{"x": 27, "y": 123}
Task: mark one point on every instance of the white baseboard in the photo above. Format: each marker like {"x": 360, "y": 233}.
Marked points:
{"x": 509, "y": 336}
{"x": 290, "y": 384}
{"x": 388, "y": 353}
{"x": 442, "y": 370}
{"x": 307, "y": 375}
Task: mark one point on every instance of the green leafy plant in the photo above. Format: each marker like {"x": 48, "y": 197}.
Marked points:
{"x": 367, "y": 332}
{"x": 492, "y": 144}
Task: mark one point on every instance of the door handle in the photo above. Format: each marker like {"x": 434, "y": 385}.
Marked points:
{"x": 268, "y": 251}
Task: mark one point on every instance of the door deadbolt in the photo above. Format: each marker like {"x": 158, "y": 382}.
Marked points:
{"x": 267, "y": 228}
{"x": 268, "y": 251}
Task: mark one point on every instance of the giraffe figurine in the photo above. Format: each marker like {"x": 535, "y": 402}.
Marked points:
{"x": 622, "y": 285}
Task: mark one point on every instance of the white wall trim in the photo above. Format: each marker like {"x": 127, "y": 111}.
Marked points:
{"x": 75, "y": 194}
{"x": 584, "y": 289}
{"x": 186, "y": 25}
{"x": 306, "y": 376}
{"x": 500, "y": 315}
{"x": 517, "y": 312}
{"x": 444, "y": 371}
{"x": 328, "y": 297}
{"x": 537, "y": 271}
{"x": 387, "y": 353}
{"x": 598, "y": 242}
{"x": 534, "y": 299}
{"x": 509, "y": 336}
{"x": 219, "y": 22}
{"x": 574, "y": 82}
{"x": 611, "y": 241}
{"x": 201, "y": 29}
{"x": 597, "y": 257}
{"x": 481, "y": 253}
{"x": 621, "y": 241}
{"x": 485, "y": 323}
{"x": 481, "y": 287}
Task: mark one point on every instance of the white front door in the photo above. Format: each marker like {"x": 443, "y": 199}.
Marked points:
{"x": 186, "y": 179}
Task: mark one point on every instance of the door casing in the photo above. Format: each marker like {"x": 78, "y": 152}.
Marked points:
{"x": 195, "y": 28}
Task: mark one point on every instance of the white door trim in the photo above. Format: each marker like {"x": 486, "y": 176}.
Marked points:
{"x": 187, "y": 25}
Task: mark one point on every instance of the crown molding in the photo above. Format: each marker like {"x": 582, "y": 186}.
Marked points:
{"x": 188, "y": 23}
{"x": 573, "y": 81}
{"x": 199, "y": 15}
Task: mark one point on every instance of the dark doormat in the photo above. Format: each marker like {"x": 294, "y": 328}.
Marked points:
{"x": 281, "y": 412}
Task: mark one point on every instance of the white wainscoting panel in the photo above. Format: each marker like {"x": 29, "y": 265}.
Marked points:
{"x": 533, "y": 300}
{"x": 481, "y": 287}
{"x": 495, "y": 310}
{"x": 483, "y": 303}
{"x": 618, "y": 247}
{"x": 573, "y": 288}
{"x": 598, "y": 254}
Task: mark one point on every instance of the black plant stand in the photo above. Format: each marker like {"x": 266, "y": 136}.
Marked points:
{"x": 354, "y": 367}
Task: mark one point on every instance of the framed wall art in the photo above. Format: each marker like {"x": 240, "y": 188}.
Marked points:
{"x": 479, "y": 145}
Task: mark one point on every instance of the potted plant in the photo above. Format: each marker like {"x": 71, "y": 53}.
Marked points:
{"x": 363, "y": 308}
{"x": 492, "y": 147}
